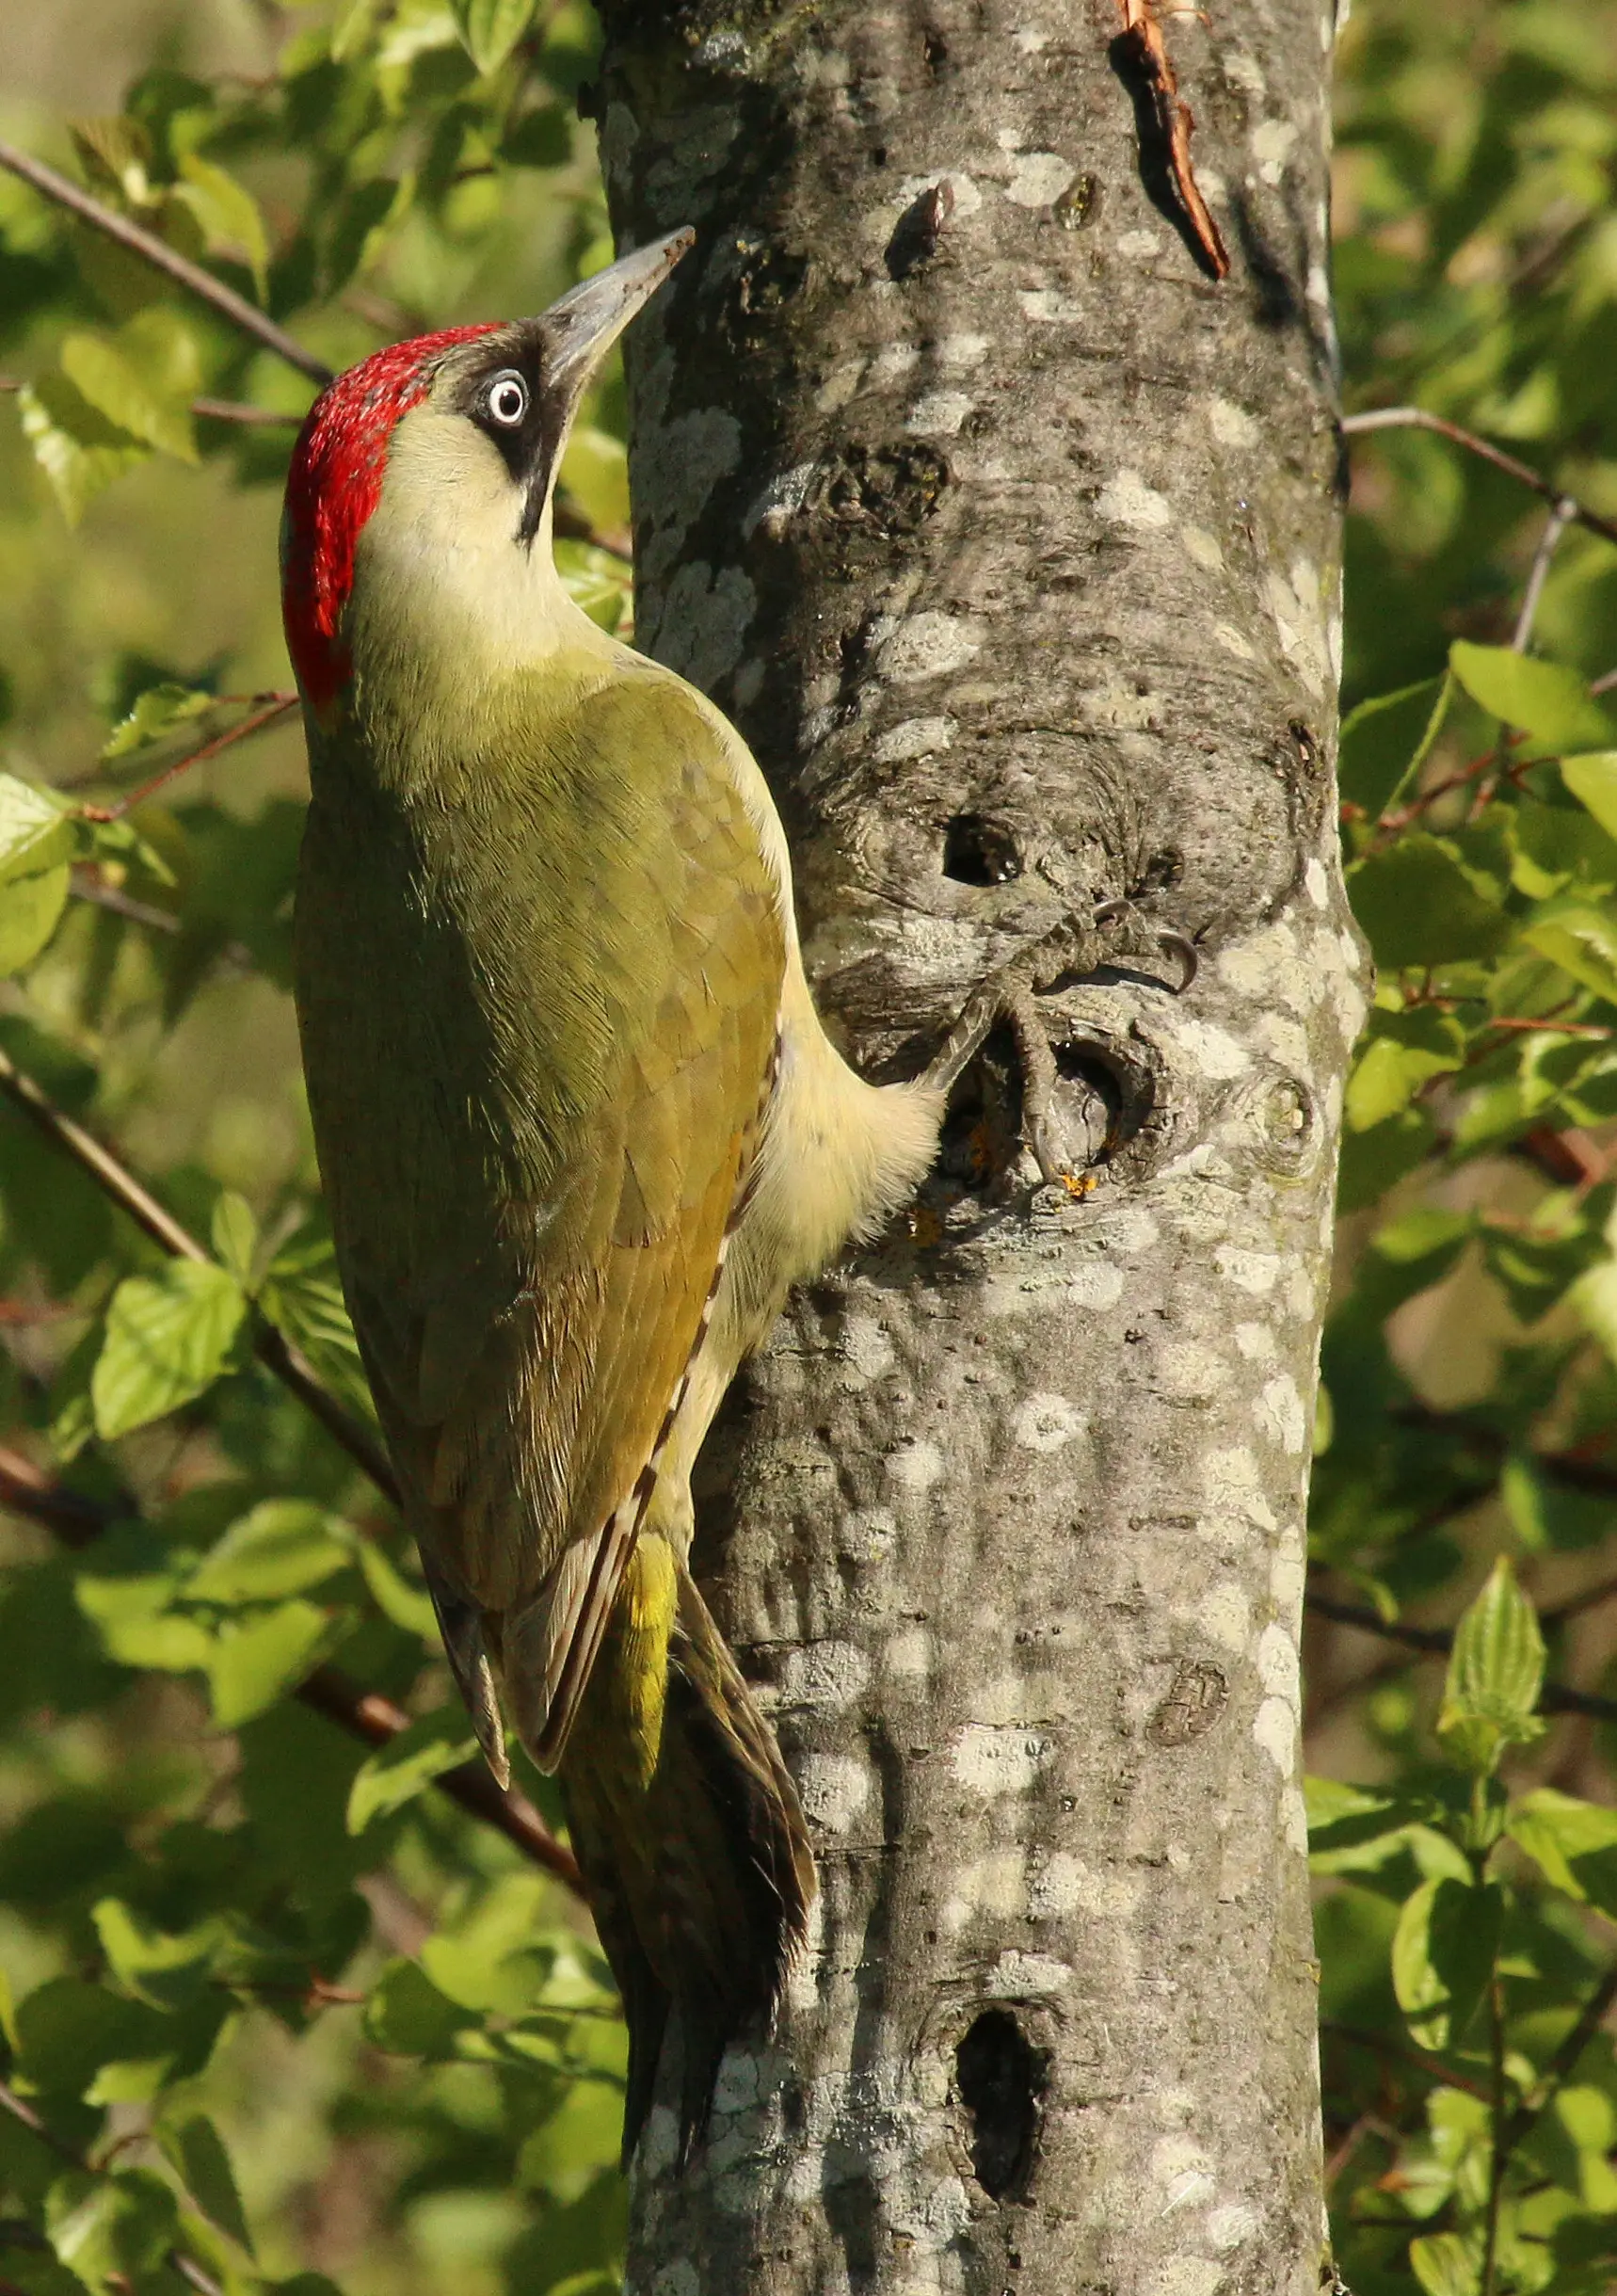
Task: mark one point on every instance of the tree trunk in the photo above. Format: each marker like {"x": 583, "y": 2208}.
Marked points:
{"x": 1009, "y": 537}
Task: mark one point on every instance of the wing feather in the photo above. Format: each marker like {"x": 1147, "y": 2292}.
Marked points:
{"x": 530, "y": 1247}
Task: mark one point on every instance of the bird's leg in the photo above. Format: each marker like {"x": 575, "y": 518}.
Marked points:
{"x": 1076, "y": 946}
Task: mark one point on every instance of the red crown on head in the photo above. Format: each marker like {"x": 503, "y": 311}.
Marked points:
{"x": 333, "y": 485}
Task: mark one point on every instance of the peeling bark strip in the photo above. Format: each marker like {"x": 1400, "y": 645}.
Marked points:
{"x": 1010, "y": 540}
{"x": 1175, "y": 124}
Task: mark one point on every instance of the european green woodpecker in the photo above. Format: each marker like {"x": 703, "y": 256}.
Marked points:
{"x": 578, "y": 1122}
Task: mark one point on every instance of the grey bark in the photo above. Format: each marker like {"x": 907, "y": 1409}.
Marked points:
{"x": 1010, "y": 540}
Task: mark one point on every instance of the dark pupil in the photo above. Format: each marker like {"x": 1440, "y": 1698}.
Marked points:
{"x": 507, "y": 401}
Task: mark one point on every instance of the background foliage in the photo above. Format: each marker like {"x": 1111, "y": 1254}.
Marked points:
{"x": 274, "y": 2006}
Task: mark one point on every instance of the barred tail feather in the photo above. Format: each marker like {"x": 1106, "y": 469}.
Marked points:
{"x": 690, "y": 1837}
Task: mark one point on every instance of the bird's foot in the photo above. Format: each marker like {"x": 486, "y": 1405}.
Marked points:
{"x": 1110, "y": 936}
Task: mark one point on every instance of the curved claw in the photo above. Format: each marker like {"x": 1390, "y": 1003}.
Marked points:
{"x": 1175, "y": 944}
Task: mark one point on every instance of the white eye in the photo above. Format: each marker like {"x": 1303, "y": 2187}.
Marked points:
{"x": 506, "y": 399}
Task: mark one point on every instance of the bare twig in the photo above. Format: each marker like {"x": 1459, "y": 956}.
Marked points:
{"x": 1176, "y": 122}
{"x": 1379, "y": 2044}
{"x": 210, "y": 409}
{"x": 235, "y": 410}
{"x": 1418, "y": 418}
{"x": 273, "y": 707}
{"x": 290, "y": 1366}
{"x": 225, "y": 300}
{"x": 364, "y": 1714}
{"x": 1559, "y": 518}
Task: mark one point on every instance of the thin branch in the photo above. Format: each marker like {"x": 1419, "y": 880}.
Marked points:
{"x": 1565, "y": 2063}
{"x": 1549, "y": 542}
{"x": 364, "y": 1714}
{"x": 288, "y": 1363}
{"x": 1418, "y": 418}
{"x": 210, "y": 409}
{"x": 1379, "y": 2045}
{"x": 1176, "y": 122}
{"x": 187, "y": 2268}
{"x": 236, "y": 411}
{"x": 225, "y": 300}
{"x": 1436, "y": 1642}
{"x": 275, "y": 706}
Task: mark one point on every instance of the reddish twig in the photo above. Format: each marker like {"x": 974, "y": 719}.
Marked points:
{"x": 1176, "y": 123}
{"x": 191, "y": 276}
{"x": 274, "y": 706}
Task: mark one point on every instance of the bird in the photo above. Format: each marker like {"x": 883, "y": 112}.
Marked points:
{"x": 579, "y": 1127}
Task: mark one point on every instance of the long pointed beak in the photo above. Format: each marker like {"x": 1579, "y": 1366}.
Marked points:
{"x": 587, "y": 321}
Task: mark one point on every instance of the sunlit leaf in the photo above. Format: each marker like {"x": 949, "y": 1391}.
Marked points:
{"x": 1496, "y": 1671}
{"x": 1442, "y": 1956}
{"x": 168, "y": 1337}
{"x": 103, "y": 374}
{"x": 1543, "y": 698}
{"x": 281, "y": 1546}
{"x": 154, "y": 717}
{"x": 257, "y": 1657}
{"x": 402, "y": 1769}
{"x": 490, "y": 29}
{"x": 228, "y": 216}
{"x": 77, "y": 448}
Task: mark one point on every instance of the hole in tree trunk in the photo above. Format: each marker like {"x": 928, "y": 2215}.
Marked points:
{"x": 979, "y": 852}
{"x": 1000, "y": 2077}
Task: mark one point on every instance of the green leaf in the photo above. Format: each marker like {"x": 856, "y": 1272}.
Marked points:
{"x": 30, "y": 911}
{"x": 1574, "y": 1843}
{"x": 408, "y": 2015}
{"x": 136, "y": 1624}
{"x": 595, "y": 580}
{"x": 34, "y": 831}
{"x": 1405, "y": 1052}
{"x": 406, "y": 1605}
{"x": 196, "y": 2152}
{"x": 595, "y": 471}
{"x": 490, "y": 29}
{"x": 169, "y": 1338}
{"x": 1543, "y": 698}
{"x": 154, "y": 716}
{"x": 579, "y": 2139}
{"x": 235, "y": 1233}
{"x": 1446, "y": 2264}
{"x": 67, "y": 2030}
{"x": 228, "y": 216}
{"x": 1419, "y": 904}
{"x": 1496, "y": 1671}
{"x": 402, "y": 1769}
{"x": 77, "y": 448}
{"x": 1581, "y": 940}
{"x": 1594, "y": 1300}
{"x": 254, "y": 1659}
{"x": 1593, "y": 780}
{"x": 166, "y": 1970}
{"x": 1386, "y": 741}
{"x": 541, "y": 138}
{"x": 282, "y": 1547}
{"x": 1443, "y": 1953}
{"x": 104, "y": 375}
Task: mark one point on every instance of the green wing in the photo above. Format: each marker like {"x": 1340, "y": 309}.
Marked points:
{"x": 538, "y": 990}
